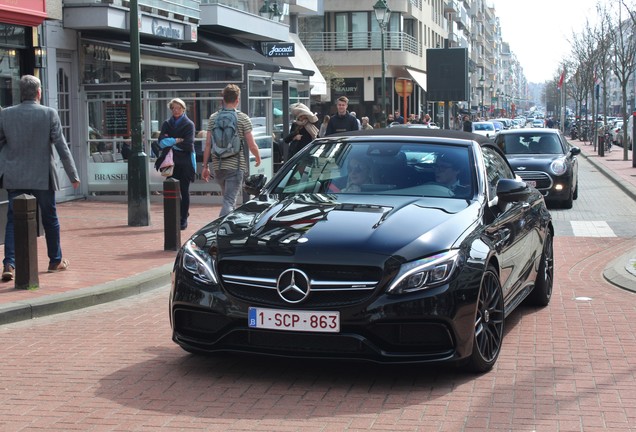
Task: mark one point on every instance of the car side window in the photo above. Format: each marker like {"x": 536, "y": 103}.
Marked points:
{"x": 496, "y": 169}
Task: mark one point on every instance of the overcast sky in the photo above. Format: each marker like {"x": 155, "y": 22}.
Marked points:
{"x": 538, "y": 31}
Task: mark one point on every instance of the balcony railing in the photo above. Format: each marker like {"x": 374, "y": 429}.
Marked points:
{"x": 185, "y": 8}
{"x": 360, "y": 41}
{"x": 249, "y": 6}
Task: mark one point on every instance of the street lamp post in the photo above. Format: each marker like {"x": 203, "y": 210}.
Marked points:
{"x": 498, "y": 96}
{"x": 382, "y": 14}
{"x": 481, "y": 86}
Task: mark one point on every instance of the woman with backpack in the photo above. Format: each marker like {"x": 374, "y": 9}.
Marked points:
{"x": 230, "y": 164}
{"x": 177, "y": 134}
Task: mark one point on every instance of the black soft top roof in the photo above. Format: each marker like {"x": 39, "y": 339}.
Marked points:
{"x": 415, "y": 131}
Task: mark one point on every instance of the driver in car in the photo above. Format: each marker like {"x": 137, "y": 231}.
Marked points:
{"x": 447, "y": 169}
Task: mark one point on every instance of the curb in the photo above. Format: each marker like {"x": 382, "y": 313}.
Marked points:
{"x": 617, "y": 272}
{"x": 628, "y": 188}
{"x": 85, "y": 297}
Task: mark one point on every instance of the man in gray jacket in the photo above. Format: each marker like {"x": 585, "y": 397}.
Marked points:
{"x": 28, "y": 131}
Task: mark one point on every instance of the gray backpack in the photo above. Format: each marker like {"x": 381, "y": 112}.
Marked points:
{"x": 225, "y": 137}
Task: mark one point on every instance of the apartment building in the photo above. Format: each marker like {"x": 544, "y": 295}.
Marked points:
{"x": 346, "y": 40}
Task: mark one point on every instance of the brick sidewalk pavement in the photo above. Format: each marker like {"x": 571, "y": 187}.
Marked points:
{"x": 104, "y": 252}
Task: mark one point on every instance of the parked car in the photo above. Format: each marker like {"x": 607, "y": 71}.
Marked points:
{"x": 393, "y": 245}
{"x": 616, "y": 130}
{"x": 484, "y": 128}
{"x": 630, "y": 134}
{"x": 543, "y": 159}
{"x": 267, "y": 146}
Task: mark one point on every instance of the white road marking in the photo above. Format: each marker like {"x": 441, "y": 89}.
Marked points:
{"x": 591, "y": 229}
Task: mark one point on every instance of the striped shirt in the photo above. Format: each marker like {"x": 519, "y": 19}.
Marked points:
{"x": 233, "y": 162}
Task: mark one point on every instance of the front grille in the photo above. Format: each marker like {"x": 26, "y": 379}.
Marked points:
{"x": 543, "y": 180}
{"x": 331, "y": 286}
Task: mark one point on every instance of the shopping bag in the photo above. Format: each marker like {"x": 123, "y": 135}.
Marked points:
{"x": 167, "y": 166}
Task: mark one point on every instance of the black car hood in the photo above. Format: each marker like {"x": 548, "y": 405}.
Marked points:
{"x": 316, "y": 227}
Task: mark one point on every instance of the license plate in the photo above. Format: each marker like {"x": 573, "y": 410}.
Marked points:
{"x": 290, "y": 320}
{"x": 531, "y": 183}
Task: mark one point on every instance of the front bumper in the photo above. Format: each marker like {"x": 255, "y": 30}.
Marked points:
{"x": 429, "y": 326}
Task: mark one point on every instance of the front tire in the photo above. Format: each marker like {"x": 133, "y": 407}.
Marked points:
{"x": 542, "y": 292}
{"x": 489, "y": 323}
{"x": 569, "y": 202}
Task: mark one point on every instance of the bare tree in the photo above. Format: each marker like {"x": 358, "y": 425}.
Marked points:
{"x": 604, "y": 49}
{"x": 576, "y": 86}
{"x": 623, "y": 58}
{"x": 583, "y": 51}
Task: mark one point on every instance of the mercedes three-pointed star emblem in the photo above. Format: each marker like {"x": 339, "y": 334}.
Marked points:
{"x": 293, "y": 286}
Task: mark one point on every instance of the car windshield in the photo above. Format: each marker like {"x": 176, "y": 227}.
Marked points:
{"x": 530, "y": 144}
{"x": 379, "y": 167}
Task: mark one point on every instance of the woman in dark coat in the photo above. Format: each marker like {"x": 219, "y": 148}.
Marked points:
{"x": 178, "y": 133}
{"x": 303, "y": 131}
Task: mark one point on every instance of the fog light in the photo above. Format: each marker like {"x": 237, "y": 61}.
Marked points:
{"x": 558, "y": 187}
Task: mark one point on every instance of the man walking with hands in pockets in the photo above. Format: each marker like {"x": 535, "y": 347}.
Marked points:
{"x": 28, "y": 131}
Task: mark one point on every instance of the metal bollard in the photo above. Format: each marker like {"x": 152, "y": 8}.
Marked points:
{"x": 26, "y": 246}
{"x": 601, "y": 144}
{"x": 171, "y": 214}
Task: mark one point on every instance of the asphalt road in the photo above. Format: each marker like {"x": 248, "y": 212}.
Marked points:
{"x": 567, "y": 367}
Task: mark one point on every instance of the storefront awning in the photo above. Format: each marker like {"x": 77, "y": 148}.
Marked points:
{"x": 302, "y": 60}
{"x": 419, "y": 77}
{"x": 236, "y": 51}
{"x": 124, "y": 57}
{"x": 27, "y": 13}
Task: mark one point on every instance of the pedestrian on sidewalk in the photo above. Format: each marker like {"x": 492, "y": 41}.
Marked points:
{"x": 467, "y": 124}
{"x": 177, "y": 133}
{"x": 230, "y": 171}
{"x": 28, "y": 131}
{"x": 303, "y": 130}
{"x": 342, "y": 121}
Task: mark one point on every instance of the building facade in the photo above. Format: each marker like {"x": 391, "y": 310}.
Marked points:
{"x": 345, "y": 40}
{"x": 188, "y": 49}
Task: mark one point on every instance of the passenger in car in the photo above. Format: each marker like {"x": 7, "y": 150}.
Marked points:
{"x": 359, "y": 171}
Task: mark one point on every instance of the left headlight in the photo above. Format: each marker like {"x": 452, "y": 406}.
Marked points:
{"x": 425, "y": 273}
{"x": 198, "y": 262}
{"x": 558, "y": 167}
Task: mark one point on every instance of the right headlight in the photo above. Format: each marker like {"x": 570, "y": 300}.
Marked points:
{"x": 425, "y": 273}
{"x": 198, "y": 262}
{"x": 558, "y": 166}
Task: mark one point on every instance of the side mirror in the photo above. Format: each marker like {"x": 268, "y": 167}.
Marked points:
{"x": 575, "y": 151}
{"x": 254, "y": 184}
{"x": 512, "y": 190}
